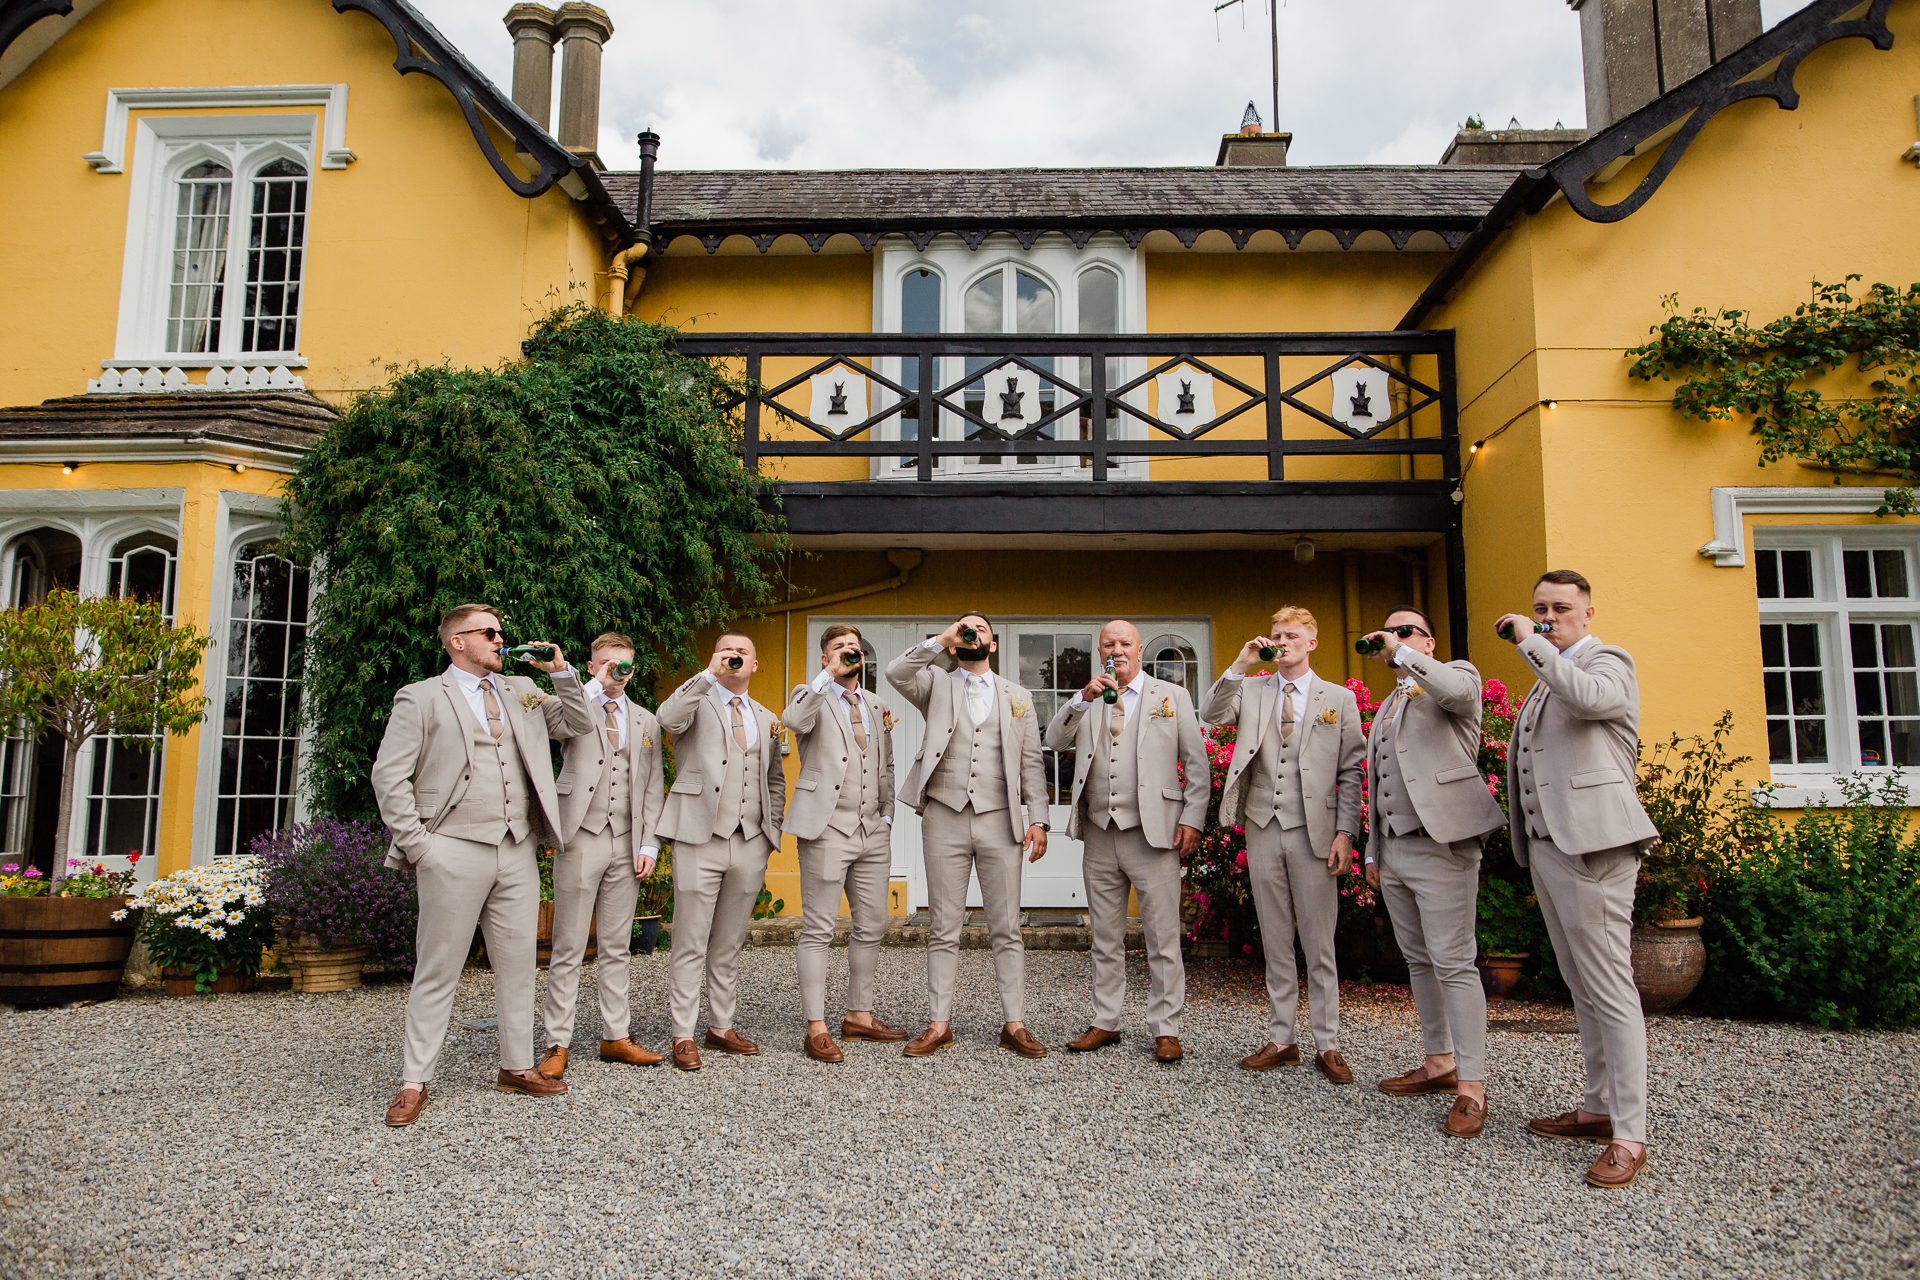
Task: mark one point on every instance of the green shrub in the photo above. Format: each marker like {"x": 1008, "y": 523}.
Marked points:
{"x": 1509, "y": 919}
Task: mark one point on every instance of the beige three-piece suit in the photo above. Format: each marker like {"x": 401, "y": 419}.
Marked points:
{"x": 1293, "y": 791}
{"x": 1430, "y": 811}
{"x": 612, "y": 787}
{"x": 1128, "y": 801}
{"x": 977, "y": 785}
{"x": 723, "y": 814}
{"x": 842, "y": 818}
{"x": 1578, "y": 826}
{"x": 464, "y": 807}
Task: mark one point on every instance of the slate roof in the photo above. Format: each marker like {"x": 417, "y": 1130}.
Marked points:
{"x": 288, "y": 421}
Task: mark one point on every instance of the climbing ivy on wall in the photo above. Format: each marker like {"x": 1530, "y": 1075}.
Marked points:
{"x": 1730, "y": 368}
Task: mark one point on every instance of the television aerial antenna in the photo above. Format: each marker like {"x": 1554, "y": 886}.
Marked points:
{"x": 1273, "y": 11}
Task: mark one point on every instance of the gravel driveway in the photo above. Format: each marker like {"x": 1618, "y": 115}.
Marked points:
{"x": 242, "y": 1136}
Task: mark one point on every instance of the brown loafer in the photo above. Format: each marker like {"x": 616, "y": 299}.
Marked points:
{"x": 625, "y": 1050}
{"x": 877, "y": 1031}
{"x": 554, "y": 1065}
{"x": 1466, "y": 1119}
{"x": 1616, "y": 1167}
{"x": 730, "y": 1041}
{"x": 1568, "y": 1124}
{"x": 1167, "y": 1049}
{"x": 1022, "y": 1043}
{"x": 1334, "y": 1067}
{"x": 685, "y": 1056}
{"x": 821, "y": 1048}
{"x": 1270, "y": 1055}
{"x": 928, "y": 1042}
{"x": 406, "y": 1107}
{"x": 1092, "y": 1038}
{"x": 532, "y": 1084}
{"x": 1415, "y": 1084}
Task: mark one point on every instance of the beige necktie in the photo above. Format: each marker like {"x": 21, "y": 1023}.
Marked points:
{"x": 1286, "y": 713}
{"x": 613, "y": 728}
{"x": 978, "y": 688}
{"x": 740, "y": 737}
{"x": 495, "y": 725}
{"x": 1117, "y": 717}
{"x": 854, "y": 718}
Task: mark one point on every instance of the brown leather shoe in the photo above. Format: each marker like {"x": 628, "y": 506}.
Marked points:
{"x": 877, "y": 1031}
{"x": 821, "y": 1048}
{"x": 1092, "y": 1038}
{"x": 406, "y": 1107}
{"x": 1616, "y": 1167}
{"x": 554, "y": 1065}
{"x": 928, "y": 1043}
{"x": 1334, "y": 1067}
{"x": 1270, "y": 1055}
{"x": 1466, "y": 1119}
{"x": 730, "y": 1041}
{"x": 1568, "y": 1124}
{"x": 1416, "y": 1083}
{"x": 685, "y": 1056}
{"x": 1167, "y": 1049}
{"x": 625, "y": 1050}
{"x": 533, "y": 1084}
{"x": 1022, "y": 1043}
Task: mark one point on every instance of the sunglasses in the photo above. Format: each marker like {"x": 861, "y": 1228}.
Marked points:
{"x": 1408, "y": 629}
{"x": 491, "y": 633}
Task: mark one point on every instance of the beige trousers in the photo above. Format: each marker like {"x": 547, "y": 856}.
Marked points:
{"x": 592, "y": 886}
{"x": 1432, "y": 892}
{"x": 1588, "y": 906}
{"x": 858, "y": 865}
{"x": 1293, "y": 894}
{"x": 461, "y": 884}
{"x": 1115, "y": 859}
{"x": 714, "y": 886}
{"x": 956, "y": 843}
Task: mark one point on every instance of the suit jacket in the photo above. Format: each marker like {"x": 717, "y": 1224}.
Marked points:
{"x": 700, "y": 739}
{"x": 581, "y": 762}
{"x": 933, "y": 694}
{"x": 1159, "y": 741}
{"x": 420, "y": 772}
{"x": 826, "y": 745}
{"x": 1584, "y": 750}
{"x": 1437, "y": 750}
{"x": 1330, "y": 755}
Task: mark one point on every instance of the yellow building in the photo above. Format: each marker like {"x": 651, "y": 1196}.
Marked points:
{"x": 1183, "y": 396}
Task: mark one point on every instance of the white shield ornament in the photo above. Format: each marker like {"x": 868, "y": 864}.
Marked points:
{"x": 1186, "y": 398}
{"x": 839, "y": 400}
{"x": 1362, "y": 398}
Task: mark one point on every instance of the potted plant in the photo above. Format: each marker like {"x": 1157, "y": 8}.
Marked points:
{"x": 65, "y": 945}
{"x": 1507, "y": 924}
{"x": 655, "y": 904}
{"x": 336, "y": 904}
{"x": 205, "y": 926}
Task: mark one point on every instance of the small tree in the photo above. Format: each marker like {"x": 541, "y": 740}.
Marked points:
{"x": 80, "y": 667}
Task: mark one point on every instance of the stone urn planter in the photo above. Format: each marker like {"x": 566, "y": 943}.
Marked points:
{"x": 56, "y": 950}
{"x": 179, "y": 982}
{"x": 1499, "y": 975}
{"x": 316, "y": 968}
{"x": 1668, "y": 959}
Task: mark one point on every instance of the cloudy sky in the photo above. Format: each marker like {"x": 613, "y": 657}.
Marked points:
{"x": 756, "y": 84}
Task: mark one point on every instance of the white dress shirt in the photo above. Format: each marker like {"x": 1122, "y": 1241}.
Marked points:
{"x": 724, "y": 700}
{"x": 470, "y": 686}
{"x": 1129, "y": 698}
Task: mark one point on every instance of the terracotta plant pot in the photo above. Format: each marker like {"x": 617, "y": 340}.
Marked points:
{"x": 54, "y": 950}
{"x": 179, "y": 982}
{"x": 646, "y": 935}
{"x": 323, "y": 969}
{"x": 1499, "y": 975}
{"x": 1668, "y": 959}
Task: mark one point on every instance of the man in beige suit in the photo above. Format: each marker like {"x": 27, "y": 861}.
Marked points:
{"x": 978, "y": 766}
{"x": 842, "y": 816}
{"x": 463, "y": 776}
{"x": 1430, "y": 811}
{"x": 1295, "y": 777}
{"x": 612, "y": 786}
{"x": 723, "y": 815}
{"x": 1578, "y": 825}
{"x": 1138, "y": 819}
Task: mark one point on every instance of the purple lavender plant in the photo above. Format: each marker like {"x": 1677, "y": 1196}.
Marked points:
{"x": 328, "y": 880}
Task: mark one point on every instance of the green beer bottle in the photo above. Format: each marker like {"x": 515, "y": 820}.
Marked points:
{"x": 1367, "y": 646}
{"x": 971, "y": 636}
{"x": 1110, "y": 696}
{"x": 534, "y": 652}
{"x": 734, "y": 662}
{"x": 1539, "y": 628}
{"x": 851, "y": 658}
{"x": 1266, "y": 653}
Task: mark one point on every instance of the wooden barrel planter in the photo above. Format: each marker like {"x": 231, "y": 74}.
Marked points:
{"x": 316, "y": 968}
{"x": 54, "y": 950}
{"x": 1668, "y": 961}
{"x": 1499, "y": 975}
{"x": 179, "y": 982}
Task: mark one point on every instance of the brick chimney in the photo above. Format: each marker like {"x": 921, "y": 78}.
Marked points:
{"x": 1635, "y": 50}
{"x": 533, "y": 30}
{"x": 583, "y": 30}
{"x": 1252, "y": 147}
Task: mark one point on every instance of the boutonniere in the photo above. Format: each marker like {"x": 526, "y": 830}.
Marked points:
{"x": 774, "y": 733}
{"x": 886, "y": 719}
{"x": 528, "y": 701}
{"x": 1329, "y": 716}
{"x": 1164, "y": 711}
{"x": 1414, "y": 691}
{"x": 646, "y": 740}
{"x": 1021, "y": 708}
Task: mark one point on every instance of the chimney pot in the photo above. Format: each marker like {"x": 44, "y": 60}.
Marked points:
{"x": 583, "y": 29}
{"x": 532, "y": 28}
{"x": 1633, "y": 51}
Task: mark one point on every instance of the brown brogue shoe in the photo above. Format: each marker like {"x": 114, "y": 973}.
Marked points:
{"x": 876, "y": 1031}
{"x": 731, "y": 1041}
{"x": 821, "y": 1048}
{"x": 1022, "y": 1043}
{"x": 554, "y": 1065}
{"x": 685, "y": 1056}
{"x": 1092, "y": 1038}
{"x": 406, "y": 1107}
{"x": 1568, "y": 1124}
{"x": 1466, "y": 1119}
{"x": 1270, "y": 1055}
{"x": 1616, "y": 1167}
{"x": 1167, "y": 1049}
{"x": 1334, "y": 1067}
{"x": 1416, "y": 1083}
{"x": 928, "y": 1042}
{"x": 533, "y": 1084}
{"x": 625, "y": 1050}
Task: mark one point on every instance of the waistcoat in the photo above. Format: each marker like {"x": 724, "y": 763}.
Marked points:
{"x": 1275, "y": 787}
{"x": 856, "y": 809}
{"x": 612, "y": 803}
{"x": 740, "y": 784}
{"x": 971, "y": 773}
{"x": 1112, "y": 793}
{"x": 1389, "y": 788}
{"x": 495, "y": 803}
